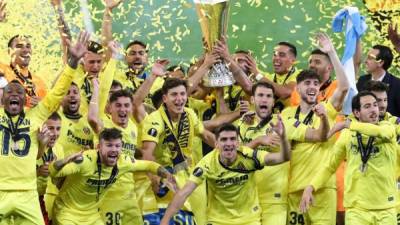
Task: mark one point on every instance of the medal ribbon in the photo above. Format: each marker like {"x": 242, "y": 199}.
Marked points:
{"x": 176, "y": 139}
{"x": 365, "y": 152}
{"x": 307, "y": 120}
{"x": 25, "y": 81}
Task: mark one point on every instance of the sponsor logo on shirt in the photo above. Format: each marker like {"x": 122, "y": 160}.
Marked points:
{"x": 232, "y": 180}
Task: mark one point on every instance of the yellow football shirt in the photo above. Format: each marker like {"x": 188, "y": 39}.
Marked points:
{"x": 272, "y": 182}
{"x": 85, "y": 186}
{"x": 282, "y": 80}
{"x": 309, "y": 157}
{"x": 86, "y": 87}
{"x": 231, "y": 195}
{"x": 134, "y": 82}
{"x": 124, "y": 187}
{"x": 18, "y": 158}
{"x": 75, "y": 134}
{"x": 393, "y": 120}
{"x": 376, "y": 188}
{"x": 232, "y": 96}
{"x": 154, "y": 130}
{"x": 204, "y": 111}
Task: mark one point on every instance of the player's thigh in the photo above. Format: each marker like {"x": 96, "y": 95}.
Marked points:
{"x": 386, "y": 217}
{"x": 294, "y": 216}
{"x": 7, "y": 204}
{"x": 121, "y": 212}
{"x": 323, "y": 211}
{"x": 358, "y": 217}
{"x": 274, "y": 214}
{"x": 27, "y": 208}
{"x": 67, "y": 217}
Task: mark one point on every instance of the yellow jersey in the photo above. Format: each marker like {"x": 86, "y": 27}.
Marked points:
{"x": 75, "y": 134}
{"x": 156, "y": 127}
{"x": 282, "y": 80}
{"x": 87, "y": 182}
{"x": 309, "y": 157}
{"x": 18, "y": 156}
{"x": 376, "y": 187}
{"x": 174, "y": 144}
{"x": 232, "y": 96}
{"x": 124, "y": 187}
{"x": 272, "y": 182}
{"x": 86, "y": 87}
{"x": 395, "y": 121}
{"x": 205, "y": 111}
{"x": 231, "y": 192}
{"x": 133, "y": 82}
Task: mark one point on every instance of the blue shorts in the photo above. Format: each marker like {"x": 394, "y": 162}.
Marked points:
{"x": 180, "y": 218}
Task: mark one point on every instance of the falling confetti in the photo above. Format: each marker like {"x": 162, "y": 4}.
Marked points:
{"x": 172, "y": 30}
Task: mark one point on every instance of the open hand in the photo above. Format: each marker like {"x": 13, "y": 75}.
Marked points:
{"x": 325, "y": 44}
{"x": 44, "y": 135}
{"x": 279, "y": 127}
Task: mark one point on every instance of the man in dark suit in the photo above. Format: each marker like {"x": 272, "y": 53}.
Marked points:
{"x": 377, "y": 63}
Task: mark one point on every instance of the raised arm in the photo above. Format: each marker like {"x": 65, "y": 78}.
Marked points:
{"x": 106, "y": 26}
{"x": 52, "y": 100}
{"x": 325, "y": 45}
{"x": 241, "y": 78}
{"x": 281, "y": 91}
{"x": 193, "y": 81}
{"x": 63, "y": 28}
{"x": 284, "y": 154}
{"x": 158, "y": 70}
{"x": 94, "y": 119}
{"x": 208, "y": 137}
{"x": 178, "y": 201}
{"x": 107, "y": 75}
{"x": 221, "y": 104}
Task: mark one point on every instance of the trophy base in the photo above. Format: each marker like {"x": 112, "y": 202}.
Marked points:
{"x": 219, "y": 76}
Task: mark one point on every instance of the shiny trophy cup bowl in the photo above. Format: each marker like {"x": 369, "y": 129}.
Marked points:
{"x": 213, "y": 18}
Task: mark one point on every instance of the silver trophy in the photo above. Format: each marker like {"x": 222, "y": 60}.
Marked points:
{"x": 213, "y": 18}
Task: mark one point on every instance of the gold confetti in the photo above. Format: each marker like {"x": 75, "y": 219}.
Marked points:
{"x": 287, "y": 18}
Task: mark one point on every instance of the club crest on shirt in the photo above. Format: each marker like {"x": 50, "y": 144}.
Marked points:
{"x": 197, "y": 172}
{"x": 86, "y": 130}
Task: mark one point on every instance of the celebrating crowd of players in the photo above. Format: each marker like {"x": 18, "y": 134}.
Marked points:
{"x": 144, "y": 144}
